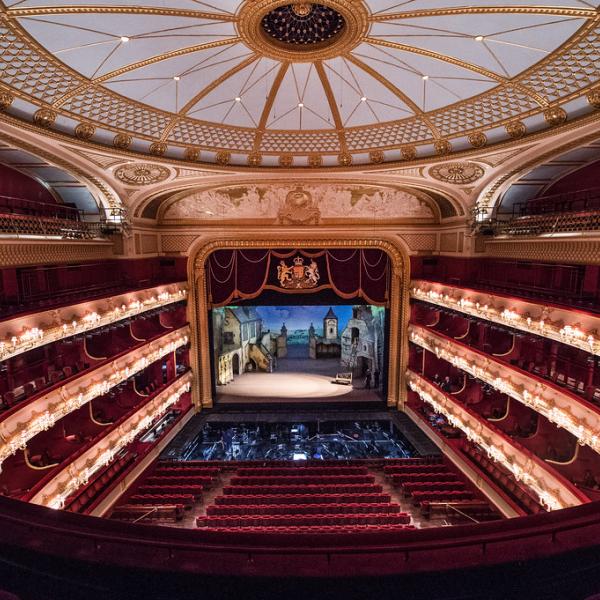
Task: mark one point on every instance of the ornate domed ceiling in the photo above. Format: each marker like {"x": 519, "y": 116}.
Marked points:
{"x": 273, "y": 83}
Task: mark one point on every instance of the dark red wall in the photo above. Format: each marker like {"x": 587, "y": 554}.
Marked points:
{"x": 17, "y": 185}
{"x": 31, "y": 288}
{"x": 576, "y": 285}
{"x": 582, "y": 179}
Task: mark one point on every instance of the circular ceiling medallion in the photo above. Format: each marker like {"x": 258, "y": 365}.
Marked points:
{"x": 303, "y": 24}
{"x": 141, "y": 173}
{"x": 457, "y": 173}
{"x": 302, "y": 31}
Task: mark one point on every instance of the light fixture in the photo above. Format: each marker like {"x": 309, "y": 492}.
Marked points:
{"x": 300, "y": 105}
{"x": 176, "y": 78}
{"x": 363, "y": 99}
{"x": 238, "y": 99}
{"x": 425, "y": 77}
{"x": 479, "y": 38}
{"x": 124, "y": 39}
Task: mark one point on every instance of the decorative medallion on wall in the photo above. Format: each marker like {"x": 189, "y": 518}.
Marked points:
{"x": 457, "y": 173}
{"x": 141, "y": 173}
{"x": 299, "y": 209}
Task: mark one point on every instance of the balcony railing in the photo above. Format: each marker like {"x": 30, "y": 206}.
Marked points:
{"x": 533, "y": 225}
{"x": 60, "y": 221}
{"x": 553, "y": 491}
{"x": 572, "y": 413}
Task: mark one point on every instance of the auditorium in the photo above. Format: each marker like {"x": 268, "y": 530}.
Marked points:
{"x": 299, "y": 300}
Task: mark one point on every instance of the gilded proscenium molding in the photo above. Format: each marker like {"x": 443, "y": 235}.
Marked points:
{"x": 78, "y": 473}
{"x": 21, "y": 253}
{"x": 33, "y": 330}
{"x": 399, "y": 308}
{"x": 575, "y": 328}
{"x": 552, "y": 490}
{"x": 43, "y": 412}
{"x": 78, "y": 97}
{"x": 577, "y": 416}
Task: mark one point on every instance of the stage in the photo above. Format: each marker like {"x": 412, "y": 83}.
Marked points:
{"x": 291, "y": 387}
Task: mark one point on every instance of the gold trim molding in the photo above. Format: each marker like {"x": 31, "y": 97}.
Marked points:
{"x": 565, "y": 250}
{"x": 43, "y": 252}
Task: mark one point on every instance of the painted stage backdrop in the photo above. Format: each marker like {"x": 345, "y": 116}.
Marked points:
{"x": 317, "y": 340}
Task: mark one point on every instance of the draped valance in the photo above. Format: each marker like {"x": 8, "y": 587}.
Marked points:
{"x": 350, "y": 273}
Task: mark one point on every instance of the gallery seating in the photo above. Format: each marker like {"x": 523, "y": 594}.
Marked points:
{"x": 300, "y": 509}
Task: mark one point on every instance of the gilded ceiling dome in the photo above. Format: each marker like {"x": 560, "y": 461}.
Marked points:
{"x": 271, "y": 83}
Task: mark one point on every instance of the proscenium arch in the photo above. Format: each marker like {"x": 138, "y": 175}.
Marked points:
{"x": 399, "y": 308}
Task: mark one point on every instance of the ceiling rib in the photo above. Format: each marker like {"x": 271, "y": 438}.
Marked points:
{"x": 262, "y": 124}
{"x": 397, "y": 92}
{"x": 118, "y": 10}
{"x": 333, "y": 106}
{"x": 205, "y": 91}
{"x": 560, "y": 11}
{"x": 460, "y": 63}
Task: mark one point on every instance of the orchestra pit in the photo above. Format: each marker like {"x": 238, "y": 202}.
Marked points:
{"x": 299, "y": 300}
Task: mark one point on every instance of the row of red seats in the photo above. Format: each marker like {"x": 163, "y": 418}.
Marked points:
{"x": 401, "y": 469}
{"x": 425, "y": 486}
{"x": 99, "y": 484}
{"x": 319, "y": 530}
{"x": 302, "y": 509}
{"x": 360, "y": 488}
{"x": 477, "y": 509}
{"x": 441, "y": 496}
{"x": 186, "y": 499}
{"x": 503, "y": 479}
{"x": 421, "y": 460}
{"x": 302, "y": 520}
{"x": 398, "y": 480}
{"x": 302, "y": 470}
{"x": 182, "y": 470}
{"x": 179, "y": 480}
{"x": 195, "y": 490}
{"x": 148, "y": 512}
{"x": 372, "y": 498}
{"x": 302, "y": 479}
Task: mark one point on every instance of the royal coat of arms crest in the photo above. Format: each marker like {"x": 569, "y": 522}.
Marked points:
{"x": 298, "y": 275}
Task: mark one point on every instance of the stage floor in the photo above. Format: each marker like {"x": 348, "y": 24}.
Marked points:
{"x": 291, "y": 386}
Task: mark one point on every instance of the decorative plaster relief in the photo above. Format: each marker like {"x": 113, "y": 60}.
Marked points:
{"x": 332, "y": 202}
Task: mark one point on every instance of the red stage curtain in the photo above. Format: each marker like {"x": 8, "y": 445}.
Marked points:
{"x": 350, "y": 273}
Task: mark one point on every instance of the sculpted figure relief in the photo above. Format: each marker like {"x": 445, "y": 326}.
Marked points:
{"x": 330, "y": 201}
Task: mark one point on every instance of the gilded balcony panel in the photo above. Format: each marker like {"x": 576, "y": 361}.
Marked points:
{"x": 578, "y": 417}
{"x": 24, "y": 333}
{"x": 78, "y": 473}
{"x": 41, "y": 414}
{"x": 569, "y": 326}
{"x": 553, "y": 491}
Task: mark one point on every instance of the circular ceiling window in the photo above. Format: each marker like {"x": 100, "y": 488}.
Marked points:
{"x": 303, "y": 24}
